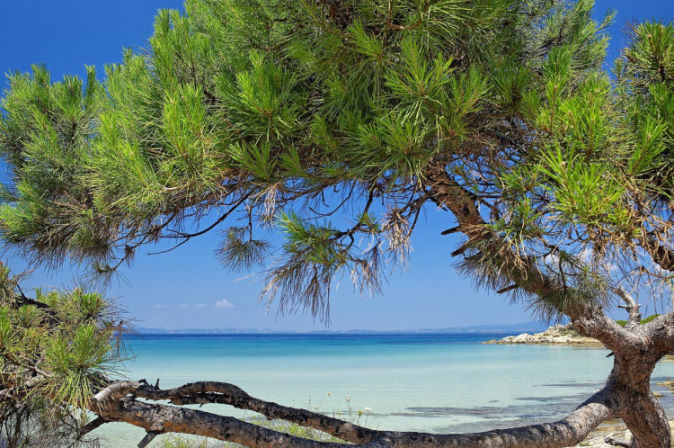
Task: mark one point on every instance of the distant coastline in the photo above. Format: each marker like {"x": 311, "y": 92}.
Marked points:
{"x": 475, "y": 329}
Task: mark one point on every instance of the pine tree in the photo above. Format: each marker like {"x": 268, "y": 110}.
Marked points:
{"x": 558, "y": 175}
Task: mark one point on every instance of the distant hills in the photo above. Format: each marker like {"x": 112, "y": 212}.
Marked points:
{"x": 502, "y": 328}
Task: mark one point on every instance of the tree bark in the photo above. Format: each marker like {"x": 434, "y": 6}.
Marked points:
{"x": 635, "y": 404}
{"x": 635, "y": 359}
{"x": 118, "y": 403}
{"x": 646, "y": 420}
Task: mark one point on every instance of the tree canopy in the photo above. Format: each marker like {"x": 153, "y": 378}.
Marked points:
{"x": 271, "y": 108}
{"x": 306, "y": 115}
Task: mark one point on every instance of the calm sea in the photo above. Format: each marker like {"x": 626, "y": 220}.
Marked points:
{"x": 422, "y": 382}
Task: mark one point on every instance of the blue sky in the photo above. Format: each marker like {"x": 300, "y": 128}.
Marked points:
{"x": 187, "y": 288}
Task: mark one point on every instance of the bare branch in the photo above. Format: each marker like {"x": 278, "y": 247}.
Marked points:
{"x": 451, "y": 230}
{"x": 149, "y": 437}
{"x": 204, "y": 392}
{"x": 631, "y": 306}
{"x": 158, "y": 419}
{"x": 10, "y": 392}
{"x": 188, "y": 236}
{"x": 662, "y": 255}
{"x": 507, "y": 289}
{"x": 115, "y": 391}
{"x": 95, "y": 423}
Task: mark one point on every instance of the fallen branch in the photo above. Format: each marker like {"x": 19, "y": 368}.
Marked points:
{"x": 207, "y": 392}
{"x": 118, "y": 403}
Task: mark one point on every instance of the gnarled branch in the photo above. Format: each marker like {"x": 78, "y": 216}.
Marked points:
{"x": 589, "y": 319}
{"x": 118, "y": 403}
{"x": 205, "y": 392}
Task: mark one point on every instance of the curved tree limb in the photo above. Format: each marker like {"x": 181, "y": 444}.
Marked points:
{"x": 205, "y": 392}
{"x": 118, "y": 403}
{"x": 159, "y": 419}
{"x": 589, "y": 319}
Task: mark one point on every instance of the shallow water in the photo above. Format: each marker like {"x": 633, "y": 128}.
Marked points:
{"x": 421, "y": 382}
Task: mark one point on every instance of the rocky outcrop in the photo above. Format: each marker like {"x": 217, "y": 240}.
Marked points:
{"x": 557, "y": 334}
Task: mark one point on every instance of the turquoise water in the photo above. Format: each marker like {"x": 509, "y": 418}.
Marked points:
{"x": 422, "y": 382}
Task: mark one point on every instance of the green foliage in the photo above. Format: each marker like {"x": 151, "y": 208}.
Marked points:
{"x": 644, "y": 321}
{"x": 340, "y": 123}
{"x": 651, "y": 52}
{"x": 584, "y": 190}
{"x": 78, "y": 365}
{"x": 240, "y": 251}
{"x": 55, "y": 352}
{"x": 646, "y": 75}
{"x": 262, "y": 102}
{"x": 340, "y": 111}
{"x": 312, "y": 258}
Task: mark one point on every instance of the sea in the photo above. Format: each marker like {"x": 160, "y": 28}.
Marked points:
{"x": 445, "y": 383}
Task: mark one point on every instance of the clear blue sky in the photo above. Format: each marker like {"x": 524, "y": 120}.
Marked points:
{"x": 187, "y": 288}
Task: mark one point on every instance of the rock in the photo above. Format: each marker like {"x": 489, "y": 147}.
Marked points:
{"x": 523, "y": 338}
{"x": 557, "y": 334}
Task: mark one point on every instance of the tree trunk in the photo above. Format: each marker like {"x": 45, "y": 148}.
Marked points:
{"x": 636, "y": 353}
{"x": 647, "y": 422}
{"x": 637, "y": 348}
{"x": 636, "y": 405}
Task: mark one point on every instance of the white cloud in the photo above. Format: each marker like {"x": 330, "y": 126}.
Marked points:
{"x": 224, "y": 303}
{"x": 199, "y": 305}
{"x": 170, "y": 306}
